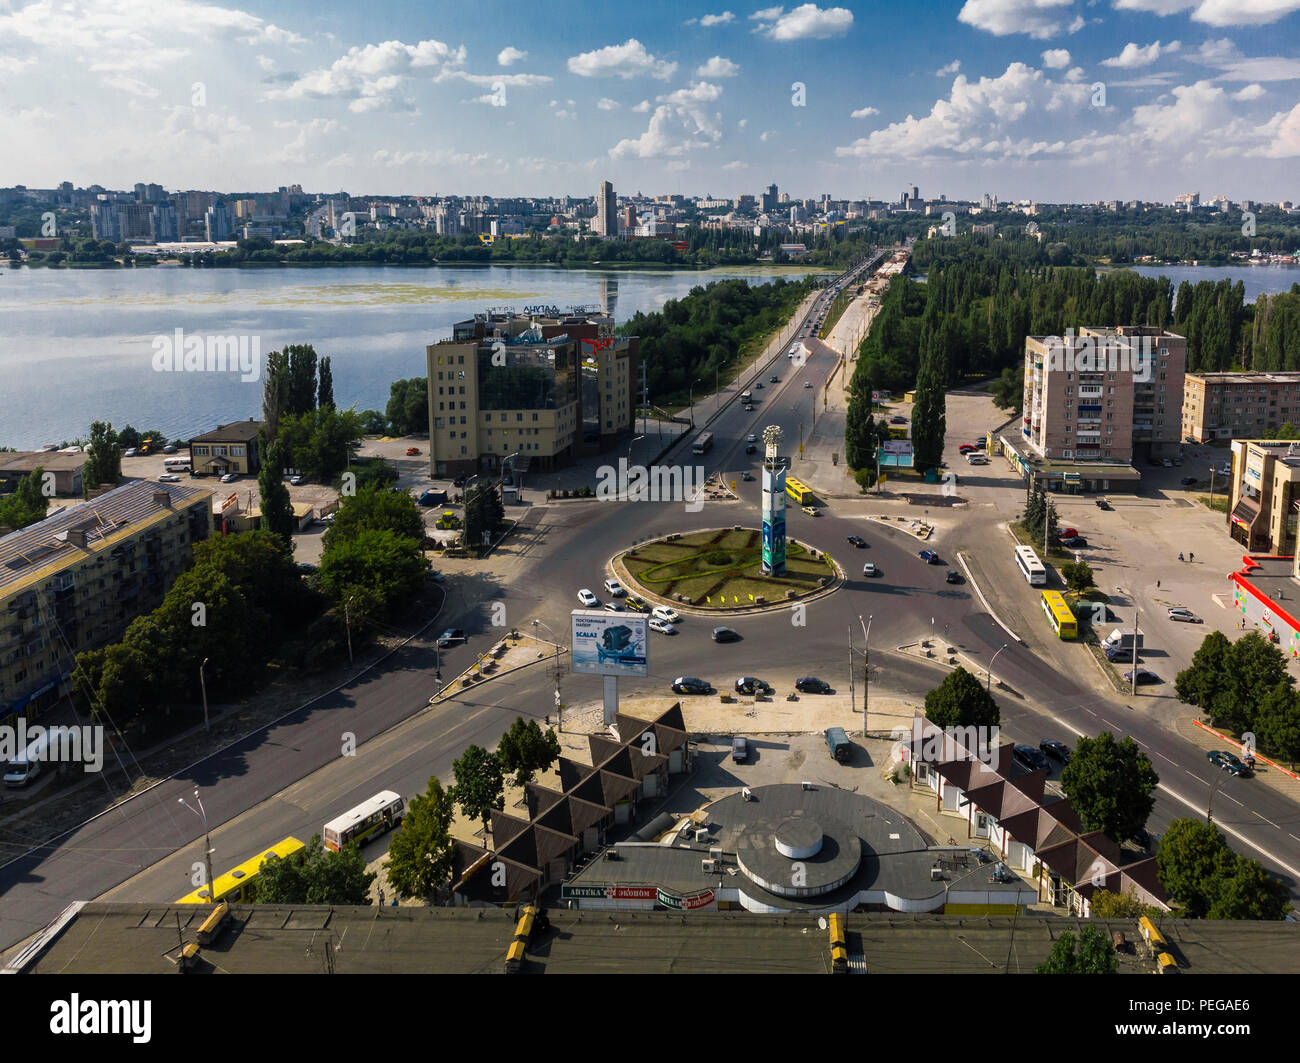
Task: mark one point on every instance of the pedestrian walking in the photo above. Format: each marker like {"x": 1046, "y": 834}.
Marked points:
{"x": 1157, "y": 584}
{"x": 1191, "y": 556}
{"x": 381, "y": 898}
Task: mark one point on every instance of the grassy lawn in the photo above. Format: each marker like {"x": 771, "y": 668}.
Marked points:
{"x": 721, "y": 569}
{"x": 1055, "y": 553}
{"x": 1219, "y": 504}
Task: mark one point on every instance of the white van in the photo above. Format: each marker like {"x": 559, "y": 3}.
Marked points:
{"x": 27, "y": 765}
{"x": 612, "y": 586}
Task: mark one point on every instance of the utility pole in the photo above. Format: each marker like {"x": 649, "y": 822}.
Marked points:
{"x": 1212, "y": 489}
{"x": 1134, "y": 656}
{"x": 204, "y": 687}
{"x": 645, "y": 396}
{"x": 853, "y": 698}
{"x": 1047, "y": 523}
{"x": 201, "y": 812}
{"x": 347, "y": 623}
{"x": 866, "y": 671}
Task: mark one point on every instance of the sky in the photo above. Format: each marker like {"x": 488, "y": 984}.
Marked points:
{"x": 1050, "y": 100}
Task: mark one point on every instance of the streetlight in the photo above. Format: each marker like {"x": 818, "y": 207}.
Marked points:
{"x": 207, "y": 842}
{"x": 691, "y": 392}
{"x": 559, "y": 704}
{"x": 989, "y": 685}
{"x": 204, "y": 687}
{"x": 347, "y": 623}
{"x": 866, "y": 670}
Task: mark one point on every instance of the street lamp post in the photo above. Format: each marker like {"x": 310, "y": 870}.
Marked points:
{"x": 866, "y": 670}
{"x": 347, "y": 623}
{"x": 988, "y": 687}
{"x": 691, "y": 393}
{"x": 207, "y": 843}
{"x": 559, "y": 702}
{"x": 204, "y": 687}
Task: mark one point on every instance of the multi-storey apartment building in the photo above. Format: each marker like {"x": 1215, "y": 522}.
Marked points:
{"x": 1238, "y": 405}
{"x": 1264, "y": 488}
{"x": 605, "y": 223}
{"x": 76, "y": 579}
{"x": 549, "y": 388}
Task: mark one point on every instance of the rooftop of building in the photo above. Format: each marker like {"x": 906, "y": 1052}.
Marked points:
{"x": 235, "y": 432}
{"x": 24, "y": 461}
{"x": 1085, "y": 470}
{"x": 1246, "y": 378}
{"x": 44, "y": 548}
{"x": 122, "y": 938}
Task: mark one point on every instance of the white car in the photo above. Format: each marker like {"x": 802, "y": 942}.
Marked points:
{"x": 662, "y": 626}
{"x": 751, "y": 438}
{"x": 807, "y": 383}
{"x": 295, "y": 481}
{"x": 667, "y": 615}
{"x": 869, "y": 569}
{"x": 230, "y": 478}
{"x": 587, "y": 598}
{"x": 615, "y": 588}
{"x": 169, "y": 478}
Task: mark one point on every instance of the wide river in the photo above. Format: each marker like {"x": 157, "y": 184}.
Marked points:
{"x": 78, "y": 346}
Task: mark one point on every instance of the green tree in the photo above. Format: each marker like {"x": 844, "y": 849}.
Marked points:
{"x": 1248, "y": 892}
{"x": 860, "y": 429}
{"x": 27, "y": 503}
{"x": 483, "y": 513}
{"x": 302, "y": 378}
{"x": 315, "y": 875}
{"x": 261, "y": 565}
{"x": 525, "y": 750}
{"x": 961, "y": 701}
{"x": 1191, "y": 857}
{"x": 104, "y": 458}
{"x": 325, "y": 392}
{"x": 1111, "y": 785}
{"x": 421, "y": 854}
{"x": 1201, "y": 683}
{"x": 275, "y": 395}
{"x": 408, "y": 406}
{"x": 1092, "y": 954}
{"x": 1277, "y": 723}
{"x": 1078, "y": 575}
{"x": 387, "y": 570}
{"x": 1255, "y": 667}
{"x": 277, "y": 510}
{"x": 929, "y": 416}
{"x": 1008, "y": 390}
{"x": 375, "y": 508}
{"x": 479, "y": 786}
{"x": 1108, "y": 905}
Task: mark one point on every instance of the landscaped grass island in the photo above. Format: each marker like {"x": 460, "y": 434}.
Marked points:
{"x": 722, "y": 570}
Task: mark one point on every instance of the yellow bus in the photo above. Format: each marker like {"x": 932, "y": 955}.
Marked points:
{"x": 898, "y": 431}
{"x": 1059, "y": 615}
{"x": 233, "y": 886}
{"x": 800, "y": 492}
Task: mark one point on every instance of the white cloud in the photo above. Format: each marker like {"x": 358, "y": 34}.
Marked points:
{"x": 627, "y": 60}
{"x": 1218, "y": 12}
{"x": 717, "y": 20}
{"x": 265, "y": 62}
{"x": 735, "y": 164}
{"x": 1077, "y": 24}
{"x": 510, "y": 55}
{"x": 742, "y": 123}
{"x": 1038, "y": 18}
{"x": 370, "y": 74}
{"x": 766, "y": 134}
{"x": 1134, "y": 56}
{"x": 864, "y": 112}
{"x": 1250, "y": 92}
{"x": 1282, "y": 136}
{"x": 717, "y": 67}
{"x": 385, "y": 157}
{"x": 514, "y": 80}
{"x": 679, "y": 125}
{"x": 1074, "y": 74}
{"x": 806, "y": 22}
{"x": 642, "y": 108}
{"x": 606, "y": 104}
{"x": 1055, "y": 58}
{"x": 10, "y": 65}
{"x": 132, "y": 85}
{"x": 951, "y": 68}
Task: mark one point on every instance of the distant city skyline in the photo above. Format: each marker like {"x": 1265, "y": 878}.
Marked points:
{"x": 1046, "y": 100}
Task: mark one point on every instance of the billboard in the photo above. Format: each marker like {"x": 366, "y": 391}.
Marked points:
{"x": 606, "y": 643}
{"x": 773, "y": 520}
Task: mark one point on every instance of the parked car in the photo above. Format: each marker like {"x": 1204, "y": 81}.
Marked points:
{"x": 587, "y": 598}
{"x": 230, "y": 478}
{"x": 1067, "y": 533}
{"x": 810, "y": 684}
{"x": 1187, "y": 481}
{"x": 460, "y": 481}
{"x": 130, "y": 452}
{"x": 1075, "y": 542}
{"x": 739, "y": 749}
{"x": 1029, "y": 758}
{"x": 952, "y": 576}
{"x": 169, "y": 478}
{"x": 747, "y": 476}
{"x": 869, "y": 569}
{"x": 751, "y": 449}
{"x": 1227, "y": 762}
{"x": 1185, "y": 616}
{"x": 295, "y": 480}
{"x": 898, "y": 420}
{"x": 858, "y": 541}
{"x": 170, "y": 448}
{"x": 1120, "y": 655}
{"x": 662, "y": 626}
{"x": 663, "y": 612}
{"x": 1056, "y": 750}
{"x": 1103, "y": 504}
{"x": 411, "y": 451}
{"x": 1144, "y": 677}
{"x": 725, "y": 634}
{"x": 688, "y": 684}
{"x": 748, "y": 684}
{"x": 929, "y": 557}
{"x": 1141, "y": 838}
{"x": 450, "y": 637}
{"x": 966, "y": 448}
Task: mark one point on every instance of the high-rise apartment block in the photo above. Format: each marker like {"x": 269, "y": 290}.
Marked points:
{"x": 605, "y": 223}
{"x": 1238, "y": 405}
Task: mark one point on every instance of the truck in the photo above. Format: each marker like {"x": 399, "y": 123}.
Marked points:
{"x": 1126, "y": 640}
{"x": 838, "y": 743}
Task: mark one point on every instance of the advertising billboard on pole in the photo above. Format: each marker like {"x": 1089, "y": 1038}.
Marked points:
{"x": 610, "y": 643}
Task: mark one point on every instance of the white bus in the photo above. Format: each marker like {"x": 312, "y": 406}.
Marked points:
{"x": 176, "y": 464}
{"x": 369, "y": 819}
{"x": 1030, "y": 567}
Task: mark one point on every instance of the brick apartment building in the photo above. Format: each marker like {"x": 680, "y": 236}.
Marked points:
{"x": 1238, "y": 405}
{"x": 549, "y": 388}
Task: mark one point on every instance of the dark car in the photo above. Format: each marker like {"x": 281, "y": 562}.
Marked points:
{"x": 1144, "y": 677}
{"x": 1120, "y": 654}
{"x": 432, "y": 497}
{"x": 898, "y": 420}
{"x": 858, "y": 541}
{"x": 759, "y": 384}
{"x": 748, "y": 684}
{"x": 1028, "y": 757}
{"x": 929, "y": 557}
{"x": 688, "y": 684}
{"x": 746, "y": 476}
{"x": 751, "y": 449}
{"x": 450, "y": 637}
{"x": 1228, "y": 762}
{"x": 460, "y": 481}
{"x": 1056, "y": 750}
{"x": 810, "y": 684}
{"x": 774, "y": 380}
{"x": 1102, "y": 504}
{"x": 1074, "y": 542}
{"x": 952, "y": 576}
{"x": 725, "y": 634}
{"x": 1187, "y": 481}
{"x": 1141, "y": 838}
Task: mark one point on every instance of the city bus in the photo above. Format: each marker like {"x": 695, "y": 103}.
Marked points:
{"x": 176, "y": 464}
{"x": 1059, "y": 615}
{"x": 1030, "y": 567}
{"x": 372, "y": 817}
{"x": 235, "y": 885}
{"x": 796, "y": 489}
{"x": 702, "y": 442}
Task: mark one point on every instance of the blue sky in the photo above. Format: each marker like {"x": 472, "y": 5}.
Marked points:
{"x": 1037, "y": 99}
